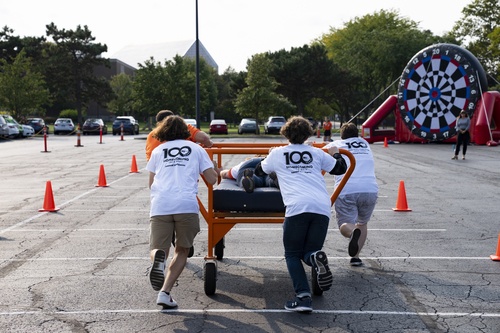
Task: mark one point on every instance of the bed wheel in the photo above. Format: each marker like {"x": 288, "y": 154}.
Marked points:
{"x": 316, "y": 290}
{"x": 219, "y": 249}
{"x": 210, "y": 277}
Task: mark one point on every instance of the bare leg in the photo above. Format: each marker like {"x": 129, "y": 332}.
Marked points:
{"x": 346, "y": 230}
{"x": 175, "y": 268}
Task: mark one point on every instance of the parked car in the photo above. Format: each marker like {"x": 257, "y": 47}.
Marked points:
{"x": 130, "y": 125}
{"x": 248, "y": 125}
{"x": 93, "y": 126}
{"x": 38, "y": 124}
{"x": 23, "y": 130}
{"x": 313, "y": 122}
{"x": 191, "y": 122}
{"x": 64, "y": 125}
{"x": 8, "y": 129}
{"x": 28, "y": 131}
{"x": 274, "y": 124}
{"x": 218, "y": 126}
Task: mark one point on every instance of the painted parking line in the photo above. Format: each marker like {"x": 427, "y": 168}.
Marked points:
{"x": 219, "y": 311}
{"x": 246, "y": 258}
{"x": 205, "y": 229}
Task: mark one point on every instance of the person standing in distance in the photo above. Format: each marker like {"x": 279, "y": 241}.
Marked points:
{"x": 299, "y": 168}
{"x": 327, "y": 127}
{"x": 174, "y": 168}
{"x": 463, "y": 135}
{"x": 355, "y": 204}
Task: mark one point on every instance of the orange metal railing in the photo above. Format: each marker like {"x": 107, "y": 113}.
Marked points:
{"x": 220, "y": 223}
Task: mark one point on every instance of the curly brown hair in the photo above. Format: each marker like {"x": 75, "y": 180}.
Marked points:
{"x": 297, "y": 130}
{"x": 171, "y": 128}
{"x": 349, "y": 130}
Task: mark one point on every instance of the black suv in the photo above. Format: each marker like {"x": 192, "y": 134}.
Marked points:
{"x": 130, "y": 125}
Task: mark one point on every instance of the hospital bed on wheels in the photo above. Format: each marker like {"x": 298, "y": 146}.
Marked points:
{"x": 228, "y": 204}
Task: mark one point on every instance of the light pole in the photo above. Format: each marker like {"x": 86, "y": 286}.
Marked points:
{"x": 197, "y": 71}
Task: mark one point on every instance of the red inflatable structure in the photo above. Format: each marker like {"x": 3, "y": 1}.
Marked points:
{"x": 484, "y": 130}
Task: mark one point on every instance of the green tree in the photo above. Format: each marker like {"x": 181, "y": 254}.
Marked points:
{"x": 260, "y": 99}
{"x": 375, "y": 49}
{"x": 172, "y": 86}
{"x": 229, "y": 84}
{"x": 122, "y": 86}
{"x": 70, "y": 64}
{"x": 478, "y": 30}
{"x": 305, "y": 73}
{"x": 22, "y": 90}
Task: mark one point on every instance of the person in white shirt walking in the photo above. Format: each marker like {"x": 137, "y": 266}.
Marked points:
{"x": 299, "y": 168}
{"x": 174, "y": 170}
{"x": 355, "y": 204}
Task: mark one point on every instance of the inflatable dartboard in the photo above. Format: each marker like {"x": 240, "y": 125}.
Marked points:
{"x": 439, "y": 82}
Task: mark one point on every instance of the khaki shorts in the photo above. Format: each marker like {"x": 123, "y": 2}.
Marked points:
{"x": 186, "y": 227}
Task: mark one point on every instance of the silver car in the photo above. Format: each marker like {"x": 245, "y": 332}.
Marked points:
{"x": 274, "y": 124}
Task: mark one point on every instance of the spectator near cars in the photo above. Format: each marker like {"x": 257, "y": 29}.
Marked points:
{"x": 274, "y": 124}
{"x": 218, "y": 126}
{"x": 248, "y": 125}
{"x": 93, "y": 126}
{"x": 64, "y": 125}
{"x": 130, "y": 125}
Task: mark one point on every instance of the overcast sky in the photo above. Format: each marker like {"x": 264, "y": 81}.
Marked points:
{"x": 231, "y": 30}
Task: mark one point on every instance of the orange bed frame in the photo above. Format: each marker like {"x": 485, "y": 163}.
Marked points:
{"x": 220, "y": 223}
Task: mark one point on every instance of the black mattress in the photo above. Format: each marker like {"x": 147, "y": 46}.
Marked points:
{"x": 229, "y": 197}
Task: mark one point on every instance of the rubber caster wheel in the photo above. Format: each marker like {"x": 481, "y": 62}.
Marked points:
{"x": 210, "y": 278}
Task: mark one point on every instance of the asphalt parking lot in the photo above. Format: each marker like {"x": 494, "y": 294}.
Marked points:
{"x": 84, "y": 267}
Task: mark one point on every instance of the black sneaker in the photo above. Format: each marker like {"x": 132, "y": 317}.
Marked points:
{"x": 353, "y": 243}
{"x": 157, "y": 271}
{"x": 320, "y": 263}
{"x": 247, "y": 181}
{"x": 302, "y": 304}
{"x": 356, "y": 262}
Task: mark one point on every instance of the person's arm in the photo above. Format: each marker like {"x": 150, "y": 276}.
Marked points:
{"x": 151, "y": 178}
{"x": 203, "y": 138}
{"x": 210, "y": 175}
{"x": 340, "y": 164}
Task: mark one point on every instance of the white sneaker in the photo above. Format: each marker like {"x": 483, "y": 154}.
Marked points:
{"x": 157, "y": 271}
{"x": 166, "y": 300}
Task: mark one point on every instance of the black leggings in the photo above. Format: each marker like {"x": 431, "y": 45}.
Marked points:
{"x": 462, "y": 138}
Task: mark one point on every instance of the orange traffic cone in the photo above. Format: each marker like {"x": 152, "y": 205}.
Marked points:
{"x": 496, "y": 257}
{"x": 385, "y": 142}
{"x": 102, "y": 178}
{"x": 401, "y": 204}
{"x": 318, "y": 133}
{"x": 48, "y": 202}
{"x": 133, "y": 167}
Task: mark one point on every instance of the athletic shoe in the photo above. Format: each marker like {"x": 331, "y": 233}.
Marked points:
{"x": 302, "y": 304}
{"x": 166, "y": 300}
{"x": 320, "y": 263}
{"x": 157, "y": 271}
{"x": 247, "y": 181}
{"x": 356, "y": 262}
{"x": 353, "y": 243}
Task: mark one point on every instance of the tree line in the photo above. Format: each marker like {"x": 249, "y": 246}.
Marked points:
{"x": 346, "y": 72}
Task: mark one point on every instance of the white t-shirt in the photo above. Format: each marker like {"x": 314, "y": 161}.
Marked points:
{"x": 363, "y": 178}
{"x": 177, "y": 166}
{"x": 299, "y": 169}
